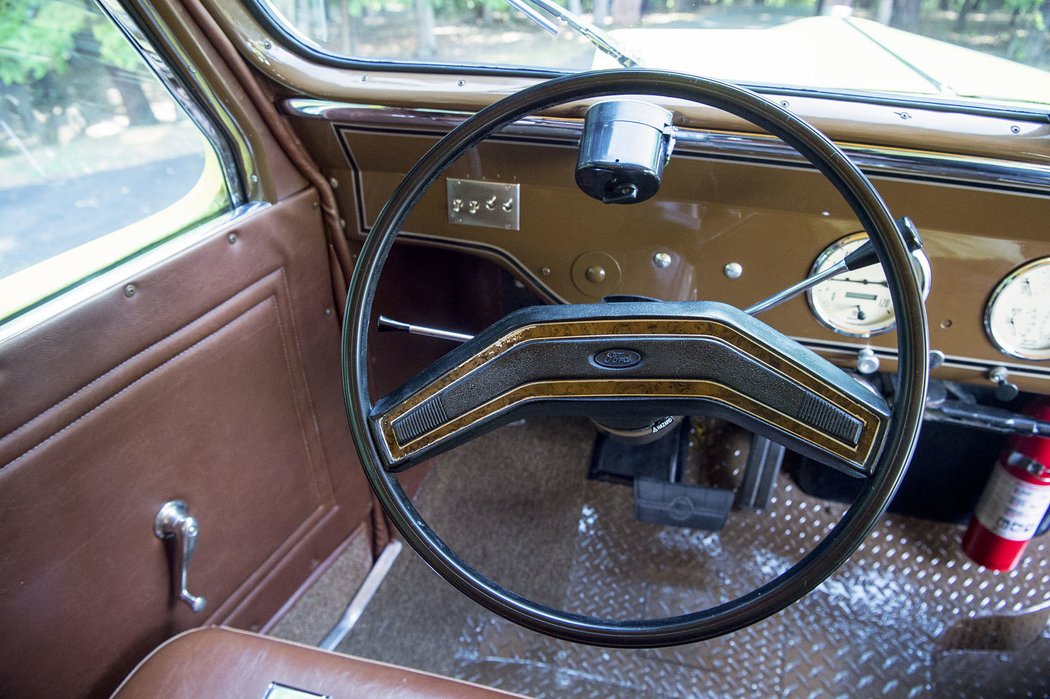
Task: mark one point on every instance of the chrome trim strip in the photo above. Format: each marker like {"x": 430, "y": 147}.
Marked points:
{"x": 126, "y": 270}
{"x": 193, "y": 94}
{"x": 874, "y": 160}
{"x": 364, "y": 595}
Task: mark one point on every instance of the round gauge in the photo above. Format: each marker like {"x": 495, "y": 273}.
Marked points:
{"x": 1018, "y": 315}
{"x": 857, "y": 303}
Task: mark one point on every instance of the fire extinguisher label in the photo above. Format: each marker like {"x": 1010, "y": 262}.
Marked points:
{"x": 1010, "y": 507}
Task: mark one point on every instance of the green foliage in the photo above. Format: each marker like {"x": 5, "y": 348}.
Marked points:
{"x": 38, "y": 37}
{"x": 114, "y": 48}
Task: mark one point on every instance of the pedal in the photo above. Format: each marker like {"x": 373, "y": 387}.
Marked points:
{"x": 760, "y": 474}
{"x": 681, "y": 505}
{"x": 617, "y": 462}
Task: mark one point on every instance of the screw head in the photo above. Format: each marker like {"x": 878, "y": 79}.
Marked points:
{"x": 662, "y": 260}
{"x": 231, "y": 238}
{"x": 595, "y": 274}
{"x": 130, "y": 290}
{"x": 733, "y": 270}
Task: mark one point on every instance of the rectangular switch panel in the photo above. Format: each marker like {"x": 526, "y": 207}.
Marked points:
{"x": 490, "y": 204}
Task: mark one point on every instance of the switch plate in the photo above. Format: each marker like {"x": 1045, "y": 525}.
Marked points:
{"x": 489, "y": 204}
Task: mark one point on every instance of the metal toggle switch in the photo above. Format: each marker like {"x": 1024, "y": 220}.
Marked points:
{"x": 179, "y": 529}
{"x": 1005, "y": 390}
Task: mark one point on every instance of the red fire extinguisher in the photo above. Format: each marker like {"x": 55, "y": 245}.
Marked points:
{"x": 1014, "y": 501}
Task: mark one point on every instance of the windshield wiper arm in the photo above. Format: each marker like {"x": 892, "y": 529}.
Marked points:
{"x": 605, "y": 43}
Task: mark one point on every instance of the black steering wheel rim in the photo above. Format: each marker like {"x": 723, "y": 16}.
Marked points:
{"x": 898, "y": 443}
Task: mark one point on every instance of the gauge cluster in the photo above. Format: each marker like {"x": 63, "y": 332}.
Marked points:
{"x": 857, "y": 303}
{"x": 1017, "y": 317}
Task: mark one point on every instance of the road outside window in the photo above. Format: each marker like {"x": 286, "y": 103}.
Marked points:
{"x": 97, "y": 161}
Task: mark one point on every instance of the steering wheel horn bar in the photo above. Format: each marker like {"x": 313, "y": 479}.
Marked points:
{"x": 636, "y": 359}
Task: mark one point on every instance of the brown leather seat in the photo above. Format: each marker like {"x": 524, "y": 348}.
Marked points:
{"x": 221, "y": 662}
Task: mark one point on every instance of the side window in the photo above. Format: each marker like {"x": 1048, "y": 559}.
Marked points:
{"x": 97, "y": 160}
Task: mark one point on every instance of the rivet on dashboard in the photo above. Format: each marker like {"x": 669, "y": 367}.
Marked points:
{"x": 129, "y": 290}
{"x": 1015, "y": 129}
{"x": 333, "y": 182}
{"x": 231, "y": 238}
{"x": 267, "y": 45}
{"x": 545, "y": 271}
{"x": 662, "y": 260}
{"x": 595, "y": 274}
{"x": 733, "y": 270}
{"x": 946, "y": 323}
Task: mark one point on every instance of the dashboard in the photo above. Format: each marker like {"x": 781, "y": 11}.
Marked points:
{"x": 738, "y": 218}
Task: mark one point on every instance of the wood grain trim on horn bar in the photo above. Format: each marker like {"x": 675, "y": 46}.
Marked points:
{"x": 622, "y": 330}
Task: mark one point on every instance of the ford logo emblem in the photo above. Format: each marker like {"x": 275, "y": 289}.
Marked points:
{"x": 617, "y": 358}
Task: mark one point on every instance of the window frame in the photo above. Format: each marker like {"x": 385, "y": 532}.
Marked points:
{"x": 291, "y": 39}
{"x": 229, "y": 149}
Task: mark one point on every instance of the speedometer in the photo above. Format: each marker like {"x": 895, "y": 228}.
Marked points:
{"x": 857, "y": 303}
{"x": 1018, "y": 315}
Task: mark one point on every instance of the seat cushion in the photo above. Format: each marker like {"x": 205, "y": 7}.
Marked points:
{"x": 221, "y": 662}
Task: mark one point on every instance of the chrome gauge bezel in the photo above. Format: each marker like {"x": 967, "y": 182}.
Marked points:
{"x": 1005, "y": 346}
{"x": 920, "y": 263}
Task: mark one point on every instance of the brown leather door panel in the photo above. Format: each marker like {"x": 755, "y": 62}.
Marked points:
{"x": 215, "y": 382}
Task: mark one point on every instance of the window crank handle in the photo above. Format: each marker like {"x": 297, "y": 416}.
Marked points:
{"x": 176, "y": 525}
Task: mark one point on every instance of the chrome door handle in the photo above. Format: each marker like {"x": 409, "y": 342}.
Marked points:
{"x": 175, "y": 525}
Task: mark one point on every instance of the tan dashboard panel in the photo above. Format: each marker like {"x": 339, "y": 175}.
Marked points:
{"x": 772, "y": 219}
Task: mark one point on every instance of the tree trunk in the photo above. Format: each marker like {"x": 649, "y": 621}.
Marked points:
{"x": 425, "y": 28}
{"x": 968, "y": 6}
{"x": 136, "y": 104}
{"x": 906, "y": 14}
{"x": 346, "y": 28}
{"x": 601, "y": 12}
{"x": 884, "y": 11}
{"x": 1035, "y": 45}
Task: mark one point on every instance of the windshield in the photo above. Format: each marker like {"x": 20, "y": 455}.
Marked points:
{"x": 988, "y": 50}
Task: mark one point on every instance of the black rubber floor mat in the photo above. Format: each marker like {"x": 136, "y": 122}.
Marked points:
{"x": 518, "y": 506}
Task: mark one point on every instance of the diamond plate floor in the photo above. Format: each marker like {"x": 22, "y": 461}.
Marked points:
{"x": 515, "y": 503}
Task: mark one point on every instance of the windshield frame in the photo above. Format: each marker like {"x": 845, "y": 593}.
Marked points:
{"x": 292, "y": 40}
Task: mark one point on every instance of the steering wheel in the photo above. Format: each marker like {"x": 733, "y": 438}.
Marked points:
{"x": 672, "y": 358}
